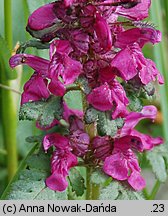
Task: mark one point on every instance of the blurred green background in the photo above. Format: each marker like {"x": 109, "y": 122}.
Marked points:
{"x": 13, "y": 147}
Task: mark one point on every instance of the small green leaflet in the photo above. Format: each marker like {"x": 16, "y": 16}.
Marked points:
{"x": 105, "y": 125}
{"x": 42, "y": 111}
{"x": 158, "y": 159}
{"x": 77, "y": 182}
{"x": 119, "y": 191}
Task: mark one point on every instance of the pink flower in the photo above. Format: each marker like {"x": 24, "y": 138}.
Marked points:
{"x": 64, "y": 67}
{"x": 102, "y": 147}
{"x": 123, "y": 164}
{"x": 43, "y": 23}
{"x": 40, "y": 65}
{"x": 139, "y": 35}
{"x": 146, "y": 142}
{"x": 130, "y": 61}
{"x": 61, "y": 161}
{"x": 109, "y": 96}
{"x": 103, "y": 32}
{"x": 35, "y": 89}
{"x": 78, "y": 138}
{"x": 139, "y": 12}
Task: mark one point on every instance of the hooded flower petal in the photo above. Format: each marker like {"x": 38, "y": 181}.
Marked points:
{"x": 147, "y": 142}
{"x": 101, "y": 98}
{"x": 139, "y": 12}
{"x": 139, "y": 35}
{"x": 124, "y": 3}
{"x": 133, "y": 118}
{"x": 130, "y": 61}
{"x": 64, "y": 67}
{"x": 40, "y": 65}
{"x": 103, "y": 32}
{"x": 79, "y": 141}
{"x": 35, "y": 89}
{"x": 61, "y": 47}
{"x": 43, "y": 23}
{"x": 56, "y": 140}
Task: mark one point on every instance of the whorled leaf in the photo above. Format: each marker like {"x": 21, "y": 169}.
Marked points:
{"x": 42, "y": 111}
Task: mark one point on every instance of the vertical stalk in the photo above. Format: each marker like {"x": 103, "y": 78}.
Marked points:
{"x": 8, "y": 103}
{"x": 160, "y": 54}
{"x": 92, "y": 190}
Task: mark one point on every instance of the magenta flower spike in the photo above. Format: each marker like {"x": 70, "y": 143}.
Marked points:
{"x": 95, "y": 52}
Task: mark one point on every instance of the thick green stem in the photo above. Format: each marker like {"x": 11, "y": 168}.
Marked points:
{"x": 8, "y": 104}
{"x": 92, "y": 190}
{"x": 88, "y": 183}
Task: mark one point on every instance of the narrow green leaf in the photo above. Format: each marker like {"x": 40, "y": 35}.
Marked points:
{"x": 4, "y": 59}
{"x": 43, "y": 111}
{"x": 77, "y": 182}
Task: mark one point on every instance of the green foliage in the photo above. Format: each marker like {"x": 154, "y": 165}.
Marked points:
{"x": 4, "y": 59}
{"x": 77, "y": 182}
{"x": 29, "y": 182}
{"x": 158, "y": 159}
{"x": 91, "y": 115}
{"x": 105, "y": 125}
{"x": 42, "y": 111}
{"x": 135, "y": 103}
{"x": 99, "y": 177}
{"x": 118, "y": 191}
{"x": 74, "y": 99}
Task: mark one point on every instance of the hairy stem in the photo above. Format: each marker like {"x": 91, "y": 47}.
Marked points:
{"x": 8, "y": 104}
{"x": 92, "y": 190}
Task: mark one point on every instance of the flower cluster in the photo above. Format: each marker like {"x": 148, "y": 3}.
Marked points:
{"x": 88, "y": 41}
